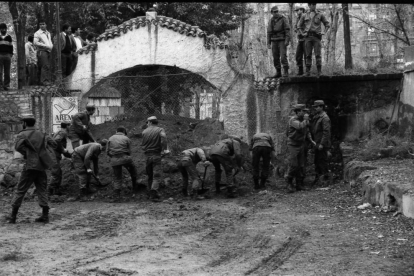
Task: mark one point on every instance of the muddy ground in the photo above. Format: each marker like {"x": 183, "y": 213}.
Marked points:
{"x": 317, "y": 232}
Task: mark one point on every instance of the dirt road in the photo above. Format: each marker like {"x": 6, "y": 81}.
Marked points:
{"x": 318, "y": 232}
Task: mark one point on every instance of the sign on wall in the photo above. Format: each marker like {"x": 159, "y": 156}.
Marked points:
{"x": 63, "y": 108}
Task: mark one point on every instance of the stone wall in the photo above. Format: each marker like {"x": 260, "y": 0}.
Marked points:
{"x": 5, "y": 17}
{"x": 406, "y": 105}
{"x": 355, "y": 103}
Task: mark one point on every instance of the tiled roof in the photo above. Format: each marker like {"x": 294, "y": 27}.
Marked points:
{"x": 266, "y": 84}
{"x": 211, "y": 41}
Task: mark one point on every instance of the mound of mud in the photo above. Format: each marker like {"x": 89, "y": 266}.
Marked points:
{"x": 182, "y": 133}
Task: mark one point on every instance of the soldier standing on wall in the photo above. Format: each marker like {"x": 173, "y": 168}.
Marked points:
{"x": 32, "y": 143}
{"x": 80, "y": 127}
{"x": 278, "y": 38}
{"x": 300, "y": 49}
{"x": 310, "y": 28}
{"x": 262, "y": 147}
{"x": 61, "y": 142}
{"x": 297, "y": 132}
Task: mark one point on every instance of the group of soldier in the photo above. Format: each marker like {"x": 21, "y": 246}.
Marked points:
{"x": 226, "y": 154}
{"x": 309, "y": 34}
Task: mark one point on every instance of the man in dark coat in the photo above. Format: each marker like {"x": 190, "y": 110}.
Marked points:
{"x": 80, "y": 127}
{"x": 262, "y": 147}
{"x": 32, "y": 144}
{"x": 278, "y": 38}
{"x": 321, "y": 132}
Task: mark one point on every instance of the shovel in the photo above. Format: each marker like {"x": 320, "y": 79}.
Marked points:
{"x": 204, "y": 190}
{"x": 98, "y": 181}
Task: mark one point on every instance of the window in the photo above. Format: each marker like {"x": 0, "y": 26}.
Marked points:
{"x": 372, "y": 49}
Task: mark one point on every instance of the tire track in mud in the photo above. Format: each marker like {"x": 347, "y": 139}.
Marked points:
{"x": 274, "y": 260}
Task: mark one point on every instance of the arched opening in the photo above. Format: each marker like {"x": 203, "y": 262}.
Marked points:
{"x": 154, "y": 89}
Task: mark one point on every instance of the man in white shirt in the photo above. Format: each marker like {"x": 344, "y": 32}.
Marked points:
{"x": 43, "y": 42}
{"x": 31, "y": 61}
{"x": 79, "y": 44}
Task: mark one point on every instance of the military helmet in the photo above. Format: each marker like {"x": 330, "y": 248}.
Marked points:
{"x": 298, "y": 107}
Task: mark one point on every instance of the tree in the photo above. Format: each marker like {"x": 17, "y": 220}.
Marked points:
{"x": 331, "y": 35}
{"x": 347, "y": 37}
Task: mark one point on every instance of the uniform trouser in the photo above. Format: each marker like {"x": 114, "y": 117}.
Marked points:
{"x": 188, "y": 168}
{"x": 43, "y": 58}
{"x": 263, "y": 153}
{"x": 75, "y": 140}
{"x": 5, "y": 65}
{"x": 154, "y": 170}
{"x": 296, "y": 161}
{"x": 123, "y": 161}
{"x": 56, "y": 173}
{"x": 66, "y": 59}
{"x": 227, "y": 164}
{"x": 27, "y": 178}
{"x": 80, "y": 170}
{"x": 313, "y": 43}
{"x": 279, "y": 54}
{"x": 321, "y": 162}
{"x": 31, "y": 74}
{"x": 300, "y": 53}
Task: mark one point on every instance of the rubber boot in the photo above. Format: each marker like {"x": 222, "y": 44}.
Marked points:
{"x": 256, "y": 183}
{"x": 13, "y": 216}
{"x": 83, "y": 195}
{"x": 299, "y": 184}
{"x": 319, "y": 70}
{"x": 45, "y": 215}
{"x": 89, "y": 189}
{"x": 285, "y": 72}
{"x": 308, "y": 71}
{"x": 185, "y": 191}
{"x": 290, "y": 187}
{"x": 51, "y": 191}
{"x": 300, "y": 71}
{"x": 117, "y": 196}
{"x": 263, "y": 183}
{"x": 154, "y": 196}
{"x": 315, "y": 181}
{"x": 278, "y": 73}
{"x": 218, "y": 188}
{"x": 231, "y": 192}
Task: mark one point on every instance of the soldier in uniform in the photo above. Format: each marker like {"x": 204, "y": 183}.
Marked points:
{"x": 262, "y": 147}
{"x": 80, "y": 127}
{"x": 297, "y": 132}
{"x": 119, "y": 150}
{"x": 321, "y": 132}
{"x": 82, "y": 159}
{"x": 300, "y": 48}
{"x": 154, "y": 144}
{"x": 32, "y": 143}
{"x": 187, "y": 166}
{"x": 56, "y": 171}
{"x": 225, "y": 153}
{"x": 278, "y": 38}
{"x": 310, "y": 28}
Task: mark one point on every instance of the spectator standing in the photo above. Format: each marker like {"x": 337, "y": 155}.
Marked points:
{"x": 31, "y": 61}
{"x": 79, "y": 44}
{"x": 68, "y": 48}
{"x": 43, "y": 42}
{"x": 6, "y": 53}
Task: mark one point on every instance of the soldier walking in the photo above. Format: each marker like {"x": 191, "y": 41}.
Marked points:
{"x": 300, "y": 55}
{"x": 297, "y": 132}
{"x": 310, "y": 27}
{"x": 187, "y": 166}
{"x": 262, "y": 147}
{"x": 278, "y": 38}
{"x": 119, "y": 150}
{"x": 321, "y": 132}
{"x": 80, "y": 127}
{"x": 82, "y": 159}
{"x": 154, "y": 144}
{"x": 223, "y": 153}
{"x": 61, "y": 142}
{"x": 32, "y": 143}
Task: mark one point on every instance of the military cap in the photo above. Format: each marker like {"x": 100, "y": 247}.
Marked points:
{"x": 306, "y": 109}
{"x": 318, "y": 102}
{"x": 298, "y": 107}
{"x": 152, "y": 118}
{"x": 28, "y": 117}
{"x": 274, "y": 8}
{"x": 103, "y": 142}
{"x": 64, "y": 124}
{"x": 238, "y": 139}
{"x": 90, "y": 107}
{"x": 299, "y": 8}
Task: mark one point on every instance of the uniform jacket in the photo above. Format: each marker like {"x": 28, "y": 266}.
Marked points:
{"x": 151, "y": 139}
{"x": 78, "y": 121}
{"x": 297, "y": 132}
{"x": 321, "y": 130}
{"x": 278, "y": 29}
{"x": 297, "y": 28}
{"x": 118, "y": 144}
{"x": 33, "y": 145}
{"x": 308, "y": 24}
{"x": 90, "y": 152}
{"x": 226, "y": 148}
{"x": 195, "y": 155}
{"x": 261, "y": 140}
{"x": 61, "y": 142}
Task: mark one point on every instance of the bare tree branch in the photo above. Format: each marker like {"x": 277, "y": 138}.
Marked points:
{"x": 397, "y": 11}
